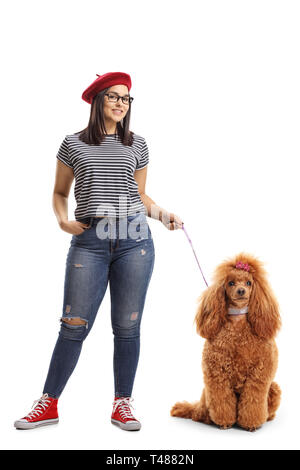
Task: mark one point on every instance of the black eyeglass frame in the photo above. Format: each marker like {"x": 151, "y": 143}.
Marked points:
{"x": 130, "y": 98}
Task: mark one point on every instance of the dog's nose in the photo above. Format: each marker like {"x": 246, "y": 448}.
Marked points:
{"x": 241, "y": 291}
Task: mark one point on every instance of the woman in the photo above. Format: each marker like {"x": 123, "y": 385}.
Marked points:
{"x": 111, "y": 242}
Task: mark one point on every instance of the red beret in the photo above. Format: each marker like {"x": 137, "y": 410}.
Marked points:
{"x": 105, "y": 81}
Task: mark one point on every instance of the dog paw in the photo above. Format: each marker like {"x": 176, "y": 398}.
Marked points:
{"x": 223, "y": 427}
{"x": 174, "y": 410}
{"x": 249, "y": 427}
{"x": 253, "y": 429}
{"x": 252, "y": 418}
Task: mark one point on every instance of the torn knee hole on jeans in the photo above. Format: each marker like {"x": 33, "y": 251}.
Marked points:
{"x": 74, "y": 321}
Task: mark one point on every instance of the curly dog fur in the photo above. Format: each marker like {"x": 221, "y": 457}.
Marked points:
{"x": 240, "y": 356}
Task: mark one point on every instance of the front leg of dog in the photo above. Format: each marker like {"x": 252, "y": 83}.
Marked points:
{"x": 222, "y": 404}
{"x": 253, "y": 404}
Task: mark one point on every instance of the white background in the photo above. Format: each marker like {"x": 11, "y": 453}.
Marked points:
{"x": 216, "y": 88}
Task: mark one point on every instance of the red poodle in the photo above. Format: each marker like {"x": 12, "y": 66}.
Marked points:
{"x": 239, "y": 317}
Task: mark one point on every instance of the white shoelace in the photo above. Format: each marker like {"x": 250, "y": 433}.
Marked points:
{"x": 124, "y": 404}
{"x": 39, "y": 406}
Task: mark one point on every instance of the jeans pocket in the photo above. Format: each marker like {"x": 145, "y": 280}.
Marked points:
{"x": 81, "y": 235}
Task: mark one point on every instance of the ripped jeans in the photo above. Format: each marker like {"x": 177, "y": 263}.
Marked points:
{"x": 126, "y": 262}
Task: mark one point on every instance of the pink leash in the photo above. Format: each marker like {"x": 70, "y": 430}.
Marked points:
{"x": 194, "y": 252}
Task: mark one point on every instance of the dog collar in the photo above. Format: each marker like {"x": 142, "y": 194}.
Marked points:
{"x": 237, "y": 311}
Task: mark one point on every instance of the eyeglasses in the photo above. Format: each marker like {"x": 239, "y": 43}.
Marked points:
{"x": 114, "y": 98}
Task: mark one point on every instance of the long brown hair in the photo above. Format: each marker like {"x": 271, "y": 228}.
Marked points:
{"x": 95, "y": 131}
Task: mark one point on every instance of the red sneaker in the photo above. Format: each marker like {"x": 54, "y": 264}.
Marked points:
{"x": 44, "y": 411}
{"x": 122, "y": 415}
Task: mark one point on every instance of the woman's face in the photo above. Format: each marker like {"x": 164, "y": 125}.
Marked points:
{"x": 115, "y": 111}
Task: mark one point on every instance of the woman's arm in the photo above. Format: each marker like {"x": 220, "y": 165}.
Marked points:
{"x": 170, "y": 220}
{"x": 63, "y": 181}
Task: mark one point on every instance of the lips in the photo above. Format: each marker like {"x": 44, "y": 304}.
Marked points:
{"x": 117, "y": 111}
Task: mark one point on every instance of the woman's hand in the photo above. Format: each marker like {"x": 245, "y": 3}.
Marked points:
{"x": 73, "y": 226}
{"x": 171, "y": 221}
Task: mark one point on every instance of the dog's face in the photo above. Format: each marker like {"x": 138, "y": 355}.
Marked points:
{"x": 238, "y": 282}
{"x": 238, "y": 287}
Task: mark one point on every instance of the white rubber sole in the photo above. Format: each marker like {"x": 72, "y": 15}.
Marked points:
{"x": 27, "y": 425}
{"x": 133, "y": 426}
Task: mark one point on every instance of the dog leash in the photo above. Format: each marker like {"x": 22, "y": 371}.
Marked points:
{"x": 183, "y": 228}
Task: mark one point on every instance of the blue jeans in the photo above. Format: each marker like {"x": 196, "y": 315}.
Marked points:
{"x": 125, "y": 259}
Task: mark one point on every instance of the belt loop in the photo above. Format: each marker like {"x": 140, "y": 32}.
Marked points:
{"x": 91, "y": 221}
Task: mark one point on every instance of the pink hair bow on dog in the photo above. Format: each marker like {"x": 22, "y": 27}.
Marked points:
{"x": 241, "y": 265}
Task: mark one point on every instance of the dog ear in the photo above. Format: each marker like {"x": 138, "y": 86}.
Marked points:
{"x": 211, "y": 311}
{"x": 263, "y": 310}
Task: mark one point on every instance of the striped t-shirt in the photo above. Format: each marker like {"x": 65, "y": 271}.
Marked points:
{"x": 104, "y": 181}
